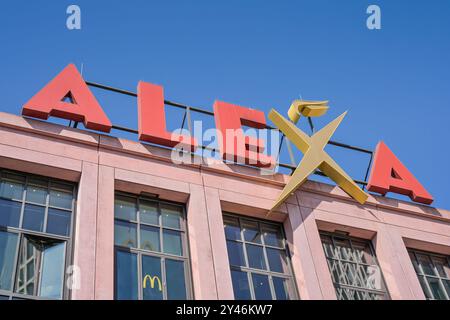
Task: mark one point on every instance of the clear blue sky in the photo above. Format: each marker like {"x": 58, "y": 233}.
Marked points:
{"x": 260, "y": 54}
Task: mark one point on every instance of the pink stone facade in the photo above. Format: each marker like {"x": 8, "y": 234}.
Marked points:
{"x": 101, "y": 165}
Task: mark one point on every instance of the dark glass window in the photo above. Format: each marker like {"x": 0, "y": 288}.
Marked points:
{"x": 151, "y": 250}
{"x": 354, "y": 268}
{"x": 258, "y": 256}
{"x": 35, "y": 228}
{"x": 433, "y": 271}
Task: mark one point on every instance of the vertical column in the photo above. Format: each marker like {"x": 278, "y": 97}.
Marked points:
{"x": 219, "y": 245}
{"x": 394, "y": 262}
{"x": 104, "y": 260}
{"x": 302, "y": 257}
{"x": 85, "y": 232}
{"x": 202, "y": 262}
{"x": 318, "y": 258}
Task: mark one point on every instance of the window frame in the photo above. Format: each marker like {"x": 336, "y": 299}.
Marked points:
{"x": 22, "y": 233}
{"x": 350, "y": 239}
{"x": 290, "y": 276}
{"x": 185, "y": 258}
{"x": 423, "y": 275}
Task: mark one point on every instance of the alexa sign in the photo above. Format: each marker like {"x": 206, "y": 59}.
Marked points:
{"x": 388, "y": 174}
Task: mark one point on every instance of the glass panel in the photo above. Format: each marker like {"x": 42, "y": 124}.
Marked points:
{"x": 327, "y": 245}
{"x": 172, "y": 242}
{"x": 415, "y": 263}
{"x": 280, "y": 286}
{"x": 150, "y": 238}
{"x": 36, "y": 195}
{"x": 437, "y": 289}
{"x": 28, "y": 266}
{"x": 11, "y": 190}
{"x": 52, "y": 273}
{"x": 176, "y": 284}
{"x": 61, "y": 199}
{"x": 343, "y": 249}
{"x": 277, "y": 260}
{"x": 9, "y": 213}
{"x": 426, "y": 265}
{"x": 255, "y": 256}
{"x": 58, "y": 222}
{"x": 4, "y": 298}
{"x": 425, "y": 289}
{"x": 148, "y": 212}
{"x": 232, "y": 229}
{"x": 125, "y": 234}
{"x": 362, "y": 252}
{"x": 125, "y": 208}
{"x": 272, "y": 236}
{"x": 251, "y": 231}
{"x": 152, "y": 282}
{"x": 8, "y": 246}
{"x": 171, "y": 216}
{"x": 442, "y": 266}
{"x": 126, "y": 276}
{"x": 235, "y": 253}
{"x": 447, "y": 286}
{"x": 33, "y": 217}
{"x": 261, "y": 287}
{"x": 240, "y": 285}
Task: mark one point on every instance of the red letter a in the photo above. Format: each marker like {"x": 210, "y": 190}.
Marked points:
{"x": 82, "y": 108}
{"x": 390, "y": 175}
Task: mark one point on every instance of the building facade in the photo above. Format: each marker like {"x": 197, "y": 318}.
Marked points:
{"x": 90, "y": 216}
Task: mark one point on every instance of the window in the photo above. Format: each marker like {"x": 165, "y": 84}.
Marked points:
{"x": 354, "y": 268}
{"x": 433, "y": 271}
{"x": 259, "y": 260}
{"x": 36, "y": 218}
{"x": 151, "y": 256}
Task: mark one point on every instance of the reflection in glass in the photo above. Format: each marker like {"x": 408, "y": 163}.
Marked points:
{"x": 232, "y": 229}
{"x": 58, "y": 222}
{"x": 150, "y": 238}
{"x": 52, "y": 272}
{"x": 33, "y": 218}
{"x": 280, "y": 286}
{"x": 172, "y": 242}
{"x": 235, "y": 253}
{"x": 126, "y": 276}
{"x": 125, "y": 234}
{"x": 11, "y": 190}
{"x": 240, "y": 285}
{"x": 277, "y": 260}
{"x": 148, "y": 212}
{"x": 425, "y": 263}
{"x": 261, "y": 286}
{"x": 152, "y": 282}
{"x": 36, "y": 195}
{"x": 251, "y": 231}
{"x": 272, "y": 236}
{"x": 61, "y": 199}
{"x": 9, "y": 213}
{"x": 125, "y": 208}
{"x": 40, "y": 269}
{"x": 8, "y": 245}
{"x": 256, "y": 257}
{"x": 170, "y": 216}
{"x": 176, "y": 284}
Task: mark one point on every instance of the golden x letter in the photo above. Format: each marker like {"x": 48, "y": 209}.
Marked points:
{"x": 314, "y": 157}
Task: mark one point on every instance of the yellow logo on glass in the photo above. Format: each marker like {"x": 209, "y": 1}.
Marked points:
{"x": 312, "y": 147}
{"x": 152, "y": 282}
